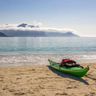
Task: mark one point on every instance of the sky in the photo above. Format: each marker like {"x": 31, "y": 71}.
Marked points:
{"x": 78, "y": 15}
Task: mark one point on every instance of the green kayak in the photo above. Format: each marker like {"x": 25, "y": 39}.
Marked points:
{"x": 76, "y": 71}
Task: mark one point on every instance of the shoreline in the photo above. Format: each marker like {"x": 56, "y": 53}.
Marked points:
{"x": 40, "y": 59}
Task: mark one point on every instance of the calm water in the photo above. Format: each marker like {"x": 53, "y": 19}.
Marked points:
{"x": 47, "y": 45}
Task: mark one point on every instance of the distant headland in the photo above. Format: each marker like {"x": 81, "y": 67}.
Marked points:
{"x": 26, "y": 30}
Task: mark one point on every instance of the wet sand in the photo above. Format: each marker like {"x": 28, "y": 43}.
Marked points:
{"x": 43, "y": 81}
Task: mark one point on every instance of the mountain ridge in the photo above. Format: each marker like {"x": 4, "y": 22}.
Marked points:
{"x": 2, "y": 35}
{"x": 26, "y": 30}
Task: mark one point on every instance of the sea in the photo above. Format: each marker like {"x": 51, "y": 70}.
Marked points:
{"x": 82, "y": 48}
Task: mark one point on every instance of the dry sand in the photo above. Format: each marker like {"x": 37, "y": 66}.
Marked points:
{"x": 42, "y": 81}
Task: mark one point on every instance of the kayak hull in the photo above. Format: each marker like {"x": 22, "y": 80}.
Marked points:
{"x": 76, "y": 71}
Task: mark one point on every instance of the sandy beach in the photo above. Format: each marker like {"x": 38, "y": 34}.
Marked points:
{"x": 41, "y": 80}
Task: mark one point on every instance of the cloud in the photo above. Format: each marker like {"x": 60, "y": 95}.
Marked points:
{"x": 37, "y": 23}
{"x": 33, "y": 27}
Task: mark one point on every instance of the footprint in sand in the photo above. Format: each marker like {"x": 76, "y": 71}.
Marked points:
{"x": 19, "y": 93}
{"x": 18, "y": 78}
{"x": 91, "y": 94}
{"x": 41, "y": 87}
{"x": 1, "y": 78}
{"x": 63, "y": 94}
{"x": 71, "y": 87}
{"x": 32, "y": 70}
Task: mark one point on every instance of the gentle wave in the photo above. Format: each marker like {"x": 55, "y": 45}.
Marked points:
{"x": 40, "y": 59}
